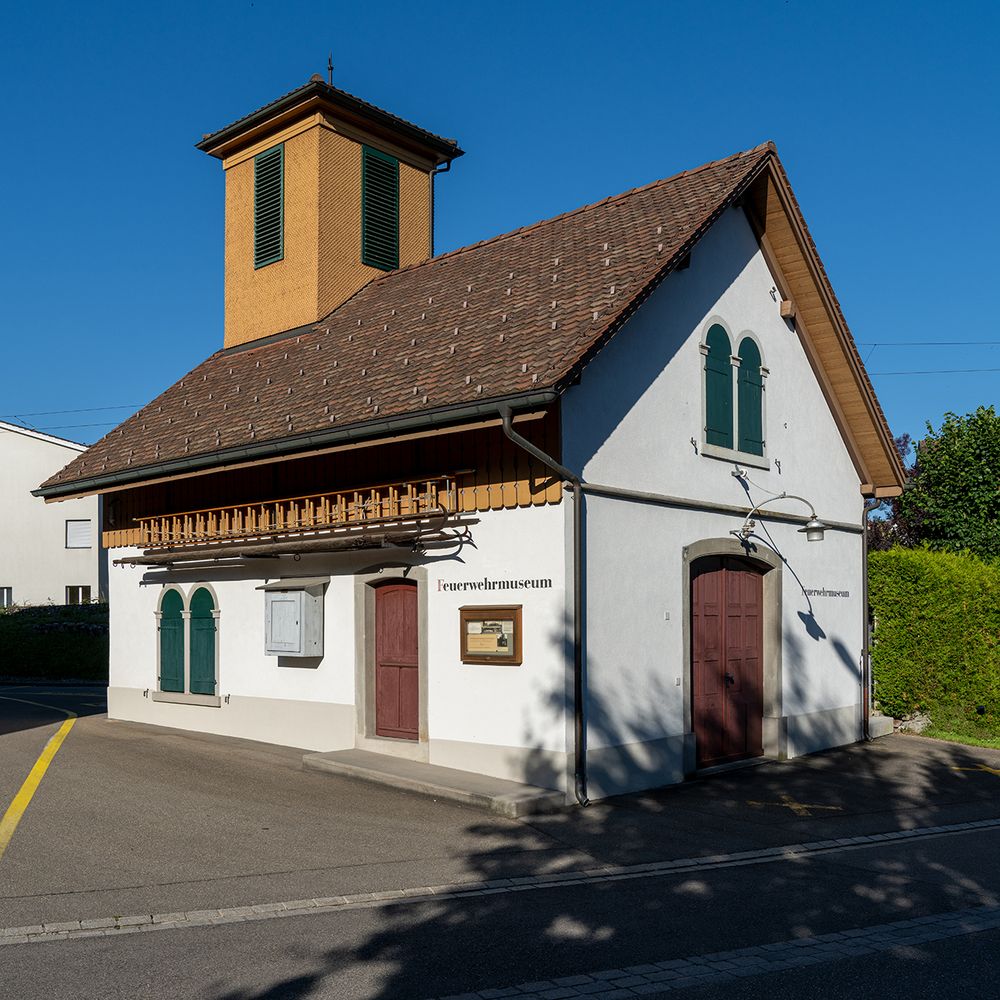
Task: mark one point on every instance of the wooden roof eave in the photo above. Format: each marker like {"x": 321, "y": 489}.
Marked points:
{"x": 150, "y": 477}
{"x": 792, "y": 256}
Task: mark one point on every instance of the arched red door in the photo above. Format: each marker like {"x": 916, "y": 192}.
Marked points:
{"x": 727, "y": 667}
{"x": 397, "y": 686}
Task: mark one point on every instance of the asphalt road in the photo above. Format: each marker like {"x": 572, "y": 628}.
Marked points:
{"x": 133, "y": 820}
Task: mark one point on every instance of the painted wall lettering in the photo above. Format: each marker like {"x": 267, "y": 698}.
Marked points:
{"x": 488, "y": 584}
{"x": 823, "y": 592}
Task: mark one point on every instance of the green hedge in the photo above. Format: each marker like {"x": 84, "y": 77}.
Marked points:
{"x": 937, "y": 637}
{"x": 54, "y": 642}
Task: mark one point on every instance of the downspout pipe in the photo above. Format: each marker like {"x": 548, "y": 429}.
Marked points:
{"x": 866, "y": 661}
{"x": 579, "y": 708}
{"x": 439, "y": 169}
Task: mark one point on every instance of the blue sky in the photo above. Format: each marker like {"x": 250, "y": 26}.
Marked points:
{"x": 885, "y": 116}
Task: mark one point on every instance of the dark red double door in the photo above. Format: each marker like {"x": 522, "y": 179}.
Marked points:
{"x": 727, "y": 660}
{"x": 397, "y": 687}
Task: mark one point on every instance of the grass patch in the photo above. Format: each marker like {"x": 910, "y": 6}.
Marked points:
{"x": 992, "y": 742}
{"x": 54, "y": 642}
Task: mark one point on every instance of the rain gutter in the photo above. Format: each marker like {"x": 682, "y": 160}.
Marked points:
{"x": 217, "y": 460}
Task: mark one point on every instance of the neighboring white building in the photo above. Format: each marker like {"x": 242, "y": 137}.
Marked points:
{"x": 49, "y": 553}
{"x": 498, "y": 509}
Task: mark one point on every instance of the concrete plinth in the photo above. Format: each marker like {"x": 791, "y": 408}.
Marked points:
{"x": 506, "y": 798}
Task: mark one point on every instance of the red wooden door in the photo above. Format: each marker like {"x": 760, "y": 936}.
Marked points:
{"x": 727, "y": 642}
{"x": 397, "y": 688}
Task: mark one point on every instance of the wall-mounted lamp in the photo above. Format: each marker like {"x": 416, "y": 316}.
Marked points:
{"x": 813, "y": 528}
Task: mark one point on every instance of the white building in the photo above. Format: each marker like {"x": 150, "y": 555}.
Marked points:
{"x": 49, "y": 553}
{"x": 496, "y": 509}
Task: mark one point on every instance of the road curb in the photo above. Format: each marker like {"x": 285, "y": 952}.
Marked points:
{"x": 112, "y": 926}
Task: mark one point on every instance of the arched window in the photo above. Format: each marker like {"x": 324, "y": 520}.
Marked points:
{"x": 718, "y": 388}
{"x": 750, "y": 399}
{"x": 171, "y": 628}
{"x": 202, "y": 642}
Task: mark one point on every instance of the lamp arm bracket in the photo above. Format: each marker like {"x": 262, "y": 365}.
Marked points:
{"x": 782, "y": 496}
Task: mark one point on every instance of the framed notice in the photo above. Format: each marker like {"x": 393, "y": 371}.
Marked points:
{"x": 491, "y": 634}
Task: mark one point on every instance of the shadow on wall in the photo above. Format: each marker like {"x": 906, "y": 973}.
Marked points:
{"x": 622, "y": 755}
{"x": 645, "y": 749}
{"x": 693, "y": 294}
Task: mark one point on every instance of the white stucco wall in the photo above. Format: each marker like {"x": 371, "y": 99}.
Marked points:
{"x": 515, "y": 715}
{"x": 34, "y": 560}
{"x": 629, "y": 423}
{"x": 507, "y": 706}
{"x": 636, "y": 421}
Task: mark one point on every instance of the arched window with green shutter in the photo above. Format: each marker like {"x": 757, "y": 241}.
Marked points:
{"x": 718, "y": 388}
{"x": 202, "y": 625}
{"x": 171, "y": 641}
{"x": 750, "y": 399}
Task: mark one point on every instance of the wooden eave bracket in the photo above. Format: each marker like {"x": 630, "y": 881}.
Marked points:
{"x": 880, "y": 492}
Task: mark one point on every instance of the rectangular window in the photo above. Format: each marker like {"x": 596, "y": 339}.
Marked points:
{"x": 269, "y": 206}
{"x": 78, "y": 535}
{"x": 379, "y": 209}
{"x": 6, "y": 597}
{"x": 78, "y": 595}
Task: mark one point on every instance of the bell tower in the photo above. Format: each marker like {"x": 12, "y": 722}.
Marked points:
{"x": 323, "y": 193}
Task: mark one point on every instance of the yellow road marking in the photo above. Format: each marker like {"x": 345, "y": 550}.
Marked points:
{"x": 979, "y": 767}
{"x": 10, "y": 819}
{"x": 799, "y": 808}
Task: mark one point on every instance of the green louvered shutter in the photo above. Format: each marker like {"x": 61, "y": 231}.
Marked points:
{"x": 171, "y": 642}
{"x": 379, "y": 209}
{"x": 202, "y": 627}
{"x": 718, "y": 389}
{"x": 269, "y": 206}
{"x": 750, "y": 400}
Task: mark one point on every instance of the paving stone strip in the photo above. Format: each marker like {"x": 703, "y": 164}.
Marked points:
{"x": 114, "y": 925}
{"x": 658, "y": 978}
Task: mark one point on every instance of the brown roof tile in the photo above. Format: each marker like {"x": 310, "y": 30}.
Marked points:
{"x": 511, "y": 314}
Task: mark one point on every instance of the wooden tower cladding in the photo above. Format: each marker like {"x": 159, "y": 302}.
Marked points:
{"x": 323, "y": 193}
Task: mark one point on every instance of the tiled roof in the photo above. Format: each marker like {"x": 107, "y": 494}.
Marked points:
{"x": 515, "y": 313}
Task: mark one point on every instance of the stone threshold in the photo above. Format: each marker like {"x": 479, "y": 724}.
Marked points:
{"x": 497, "y": 795}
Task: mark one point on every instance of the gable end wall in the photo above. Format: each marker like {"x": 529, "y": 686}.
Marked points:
{"x": 630, "y": 424}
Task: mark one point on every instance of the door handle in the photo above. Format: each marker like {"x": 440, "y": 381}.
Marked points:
{"x": 730, "y": 679}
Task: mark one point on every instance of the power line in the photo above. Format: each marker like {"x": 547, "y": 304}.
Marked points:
{"x": 941, "y": 371}
{"x": 66, "y": 427}
{"x": 929, "y": 343}
{"x": 52, "y": 413}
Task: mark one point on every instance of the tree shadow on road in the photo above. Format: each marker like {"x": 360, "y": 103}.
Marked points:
{"x": 448, "y": 946}
{"x": 513, "y": 934}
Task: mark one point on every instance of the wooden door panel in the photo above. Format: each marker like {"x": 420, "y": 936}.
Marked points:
{"x": 397, "y": 685}
{"x": 386, "y": 700}
{"x": 727, "y": 671}
{"x": 707, "y": 657}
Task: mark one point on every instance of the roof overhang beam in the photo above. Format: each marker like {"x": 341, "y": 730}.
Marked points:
{"x": 450, "y": 419}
